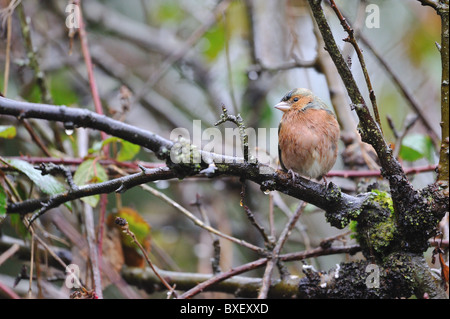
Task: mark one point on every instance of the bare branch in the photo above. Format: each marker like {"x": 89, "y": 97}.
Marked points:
{"x": 330, "y": 198}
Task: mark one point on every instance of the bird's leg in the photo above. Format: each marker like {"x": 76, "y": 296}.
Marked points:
{"x": 295, "y": 177}
{"x": 293, "y": 174}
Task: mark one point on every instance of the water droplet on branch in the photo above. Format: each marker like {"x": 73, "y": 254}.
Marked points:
{"x": 69, "y": 128}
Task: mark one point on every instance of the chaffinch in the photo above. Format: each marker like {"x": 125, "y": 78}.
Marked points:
{"x": 308, "y": 134}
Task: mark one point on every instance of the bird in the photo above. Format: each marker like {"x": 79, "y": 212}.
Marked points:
{"x": 308, "y": 135}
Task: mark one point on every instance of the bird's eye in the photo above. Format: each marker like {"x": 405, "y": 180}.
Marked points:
{"x": 295, "y": 99}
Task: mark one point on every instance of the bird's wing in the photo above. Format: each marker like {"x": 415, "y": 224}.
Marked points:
{"x": 279, "y": 149}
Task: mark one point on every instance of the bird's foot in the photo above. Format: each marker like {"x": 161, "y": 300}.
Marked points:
{"x": 296, "y": 178}
{"x": 325, "y": 182}
{"x": 293, "y": 174}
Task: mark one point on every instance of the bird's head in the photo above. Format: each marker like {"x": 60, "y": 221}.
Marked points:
{"x": 296, "y": 99}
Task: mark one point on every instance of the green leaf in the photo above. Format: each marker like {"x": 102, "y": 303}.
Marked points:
{"x": 20, "y": 228}
{"x": 128, "y": 151}
{"x": 61, "y": 89}
{"x": 47, "y": 183}
{"x": 169, "y": 11}
{"x": 7, "y": 131}
{"x": 416, "y": 146}
{"x": 89, "y": 172}
{"x": 91, "y": 200}
{"x": 2, "y": 201}
{"x": 215, "y": 39}
{"x": 96, "y": 147}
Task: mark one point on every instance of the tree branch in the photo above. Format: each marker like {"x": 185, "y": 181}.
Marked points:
{"x": 407, "y": 201}
{"x": 368, "y": 128}
{"x": 351, "y": 39}
{"x": 214, "y": 280}
{"x": 115, "y": 185}
{"x": 330, "y": 198}
{"x": 443, "y": 175}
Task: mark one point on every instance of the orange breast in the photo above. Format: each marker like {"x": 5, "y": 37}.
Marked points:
{"x": 308, "y": 141}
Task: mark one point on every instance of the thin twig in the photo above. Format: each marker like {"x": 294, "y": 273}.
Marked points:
{"x": 263, "y": 261}
{"x": 407, "y": 125}
{"x": 402, "y": 88}
{"x": 11, "y": 251}
{"x": 274, "y": 259}
{"x": 431, "y": 3}
{"x": 8, "y": 291}
{"x": 251, "y": 217}
{"x": 236, "y": 119}
{"x": 222, "y": 276}
{"x": 351, "y": 39}
{"x": 98, "y": 109}
{"x": 88, "y": 62}
{"x": 118, "y": 184}
{"x": 93, "y": 253}
{"x": 32, "y": 56}
{"x": 32, "y": 244}
{"x": 196, "y": 220}
{"x": 182, "y": 50}
{"x": 35, "y": 137}
{"x": 260, "y": 66}
{"x": 54, "y": 170}
{"x": 228, "y": 62}
{"x": 122, "y": 222}
{"x": 215, "y": 260}
{"x": 79, "y": 241}
{"x": 8, "y": 11}
{"x": 279, "y": 202}
{"x": 200, "y": 223}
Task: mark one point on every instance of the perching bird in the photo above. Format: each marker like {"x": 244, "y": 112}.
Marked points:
{"x": 308, "y": 134}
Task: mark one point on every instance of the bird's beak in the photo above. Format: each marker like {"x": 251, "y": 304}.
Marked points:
{"x": 282, "y": 106}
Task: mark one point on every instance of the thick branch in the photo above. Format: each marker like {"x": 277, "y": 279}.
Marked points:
{"x": 330, "y": 198}
{"x": 401, "y": 275}
{"x": 408, "y": 203}
{"x": 213, "y": 280}
{"x": 85, "y": 118}
{"x": 115, "y": 185}
{"x": 369, "y": 129}
{"x": 351, "y": 38}
{"x": 239, "y": 286}
{"x": 443, "y": 175}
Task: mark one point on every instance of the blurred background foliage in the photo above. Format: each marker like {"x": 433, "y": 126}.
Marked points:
{"x": 162, "y": 64}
